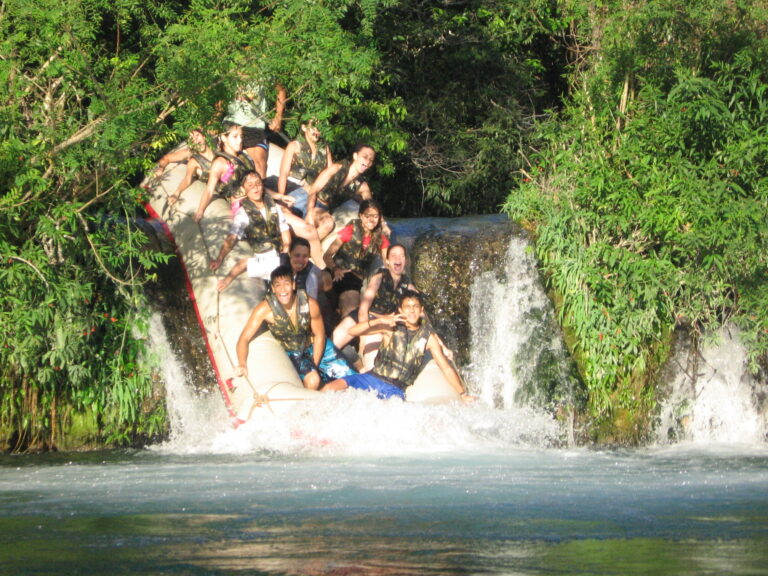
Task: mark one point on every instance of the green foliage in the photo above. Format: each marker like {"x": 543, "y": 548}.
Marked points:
{"x": 471, "y": 75}
{"x": 649, "y": 208}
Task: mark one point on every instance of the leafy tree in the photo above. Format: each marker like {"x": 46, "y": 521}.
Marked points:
{"x": 648, "y": 196}
{"x": 92, "y": 92}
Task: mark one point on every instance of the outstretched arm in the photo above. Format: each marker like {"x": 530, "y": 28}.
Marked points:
{"x": 172, "y": 157}
{"x": 226, "y": 248}
{"x": 217, "y": 169}
{"x": 285, "y": 166}
{"x": 446, "y": 367}
{"x": 192, "y": 166}
{"x": 282, "y": 96}
{"x": 382, "y": 324}
{"x": 258, "y": 315}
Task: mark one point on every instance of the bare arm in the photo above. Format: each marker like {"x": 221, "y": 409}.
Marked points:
{"x": 172, "y": 157}
{"x": 318, "y": 331}
{"x": 382, "y": 324}
{"x": 282, "y": 96}
{"x": 258, "y": 315}
{"x": 285, "y": 235}
{"x": 336, "y": 272}
{"x": 192, "y": 166}
{"x": 226, "y": 248}
{"x": 217, "y": 169}
{"x": 285, "y": 166}
{"x": 433, "y": 345}
{"x": 369, "y": 296}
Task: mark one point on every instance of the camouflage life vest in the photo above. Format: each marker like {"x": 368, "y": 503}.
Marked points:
{"x": 335, "y": 193}
{"x": 205, "y": 166}
{"x": 388, "y": 294}
{"x": 401, "y": 358}
{"x": 305, "y": 166}
{"x": 291, "y": 337}
{"x": 241, "y": 164}
{"x": 263, "y": 234}
{"x": 353, "y": 256}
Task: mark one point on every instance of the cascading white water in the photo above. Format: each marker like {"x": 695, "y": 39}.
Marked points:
{"x": 714, "y": 399}
{"x": 191, "y": 416}
{"x": 512, "y": 330}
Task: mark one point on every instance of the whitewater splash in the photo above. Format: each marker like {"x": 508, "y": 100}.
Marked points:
{"x": 346, "y": 423}
{"x": 712, "y": 398}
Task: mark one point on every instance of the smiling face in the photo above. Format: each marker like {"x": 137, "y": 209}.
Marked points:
{"x": 197, "y": 140}
{"x": 411, "y": 309}
{"x": 396, "y": 260}
{"x": 363, "y": 159}
{"x": 283, "y": 290}
{"x": 299, "y": 258}
{"x": 370, "y": 219}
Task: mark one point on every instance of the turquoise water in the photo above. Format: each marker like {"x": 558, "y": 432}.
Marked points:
{"x": 517, "y": 510}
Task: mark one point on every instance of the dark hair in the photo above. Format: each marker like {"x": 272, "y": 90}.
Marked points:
{"x": 251, "y": 173}
{"x": 281, "y": 272}
{"x": 371, "y": 203}
{"x": 397, "y": 245}
{"x": 299, "y": 242}
{"x": 361, "y": 146}
{"x": 406, "y": 294}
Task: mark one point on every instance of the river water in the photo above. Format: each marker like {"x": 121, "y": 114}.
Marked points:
{"x": 350, "y": 485}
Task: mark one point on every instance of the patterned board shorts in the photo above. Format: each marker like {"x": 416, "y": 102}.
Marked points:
{"x": 332, "y": 365}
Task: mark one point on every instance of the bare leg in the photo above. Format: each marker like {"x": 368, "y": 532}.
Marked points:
{"x": 348, "y": 301}
{"x": 309, "y": 233}
{"x": 259, "y": 157}
{"x": 369, "y": 348}
{"x": 324, "y": 222}
{"x": 341, "y": 335}
{"x": 334, "y": 386}
{"x": 312, "y": 380}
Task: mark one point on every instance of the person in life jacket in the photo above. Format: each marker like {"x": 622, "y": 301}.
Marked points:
{"x": 339, "y": 182}
{"x": 380, "y": 297}
{"x": 249, "y": 110}
{"x": 350, "y": 256}
{"x": 199, "y": 158}
{"x": 260, "y": 221}
{"x": 294, "y": 320}
{"x": 311, "y": 278}
{"x": 405, "y": 338}
{"x": 227, "y": 171}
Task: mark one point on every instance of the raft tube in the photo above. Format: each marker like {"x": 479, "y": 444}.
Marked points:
{"x": 272, "y": 382}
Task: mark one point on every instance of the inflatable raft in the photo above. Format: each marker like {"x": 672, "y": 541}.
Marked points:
{"x": 272, "y": 382}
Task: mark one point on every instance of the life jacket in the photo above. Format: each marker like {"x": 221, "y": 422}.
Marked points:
{"x": 291, "y": 337}
{"x": 301, "y": 277}
{"x": 239, "y": 165}
{"x": 400, "y": 359}
{"x": 388, "y": 294}
{"x": 205, "y": 166}
{"x": 335, "y": 193}
{"x": 305, "y": 166}
{"x": 262, "y": 234}
{"x": 353, "y": 256}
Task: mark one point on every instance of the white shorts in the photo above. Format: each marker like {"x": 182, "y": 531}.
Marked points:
{"x": 261, "y": 265}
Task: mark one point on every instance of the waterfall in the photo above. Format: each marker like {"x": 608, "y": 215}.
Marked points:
{"x": 711, "y": 396}
{"x": 516, "y": 349}
{"x": 193, "y": 415}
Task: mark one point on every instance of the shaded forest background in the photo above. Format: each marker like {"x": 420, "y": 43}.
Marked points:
{"x": 629, "y": 138}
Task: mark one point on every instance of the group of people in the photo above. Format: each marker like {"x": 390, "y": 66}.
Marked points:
{"x": 318, "y": 301}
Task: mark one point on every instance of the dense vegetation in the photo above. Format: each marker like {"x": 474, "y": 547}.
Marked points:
{"x": 631, "y": 137}
{"x": 648, "y": 195}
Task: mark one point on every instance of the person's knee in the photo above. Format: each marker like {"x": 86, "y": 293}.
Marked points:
{"x": 312, "y": 380}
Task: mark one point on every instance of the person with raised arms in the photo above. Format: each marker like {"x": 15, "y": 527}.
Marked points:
{"x": 260, "y": 221}
{"x": 339, "y": 182}
{"x": 295, "y": 321}
{"x": 405, "y": 338}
